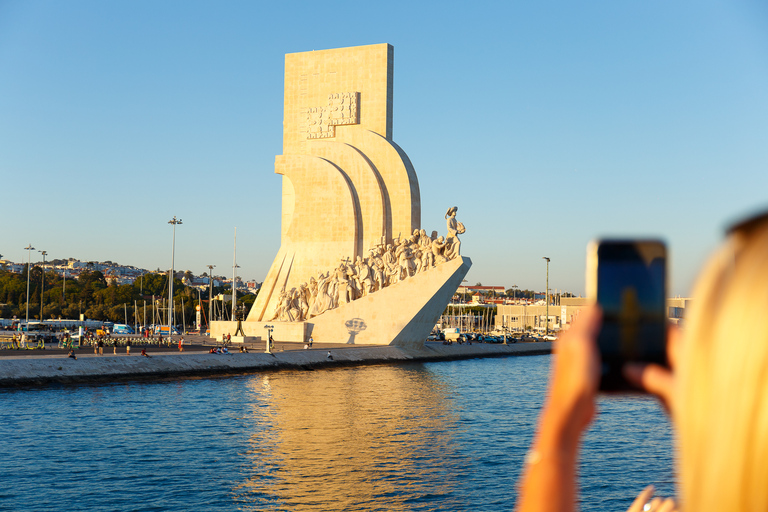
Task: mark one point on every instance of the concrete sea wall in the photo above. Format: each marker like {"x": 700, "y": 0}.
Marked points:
{"x": 44, "y": 370}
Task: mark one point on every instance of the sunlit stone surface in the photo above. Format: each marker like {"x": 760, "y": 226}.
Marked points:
{"x": 353, "y": 264}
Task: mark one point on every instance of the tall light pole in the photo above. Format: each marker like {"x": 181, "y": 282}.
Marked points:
{"x": 514, "y": 295}
{"x": 234, "y": 278}
{"x": 170, "y": 284}
{"x": 546, "y": 294}
{"x": 42, "y": 293}
{"x": 29, "y": 250}
{"x": 210, "y": 295}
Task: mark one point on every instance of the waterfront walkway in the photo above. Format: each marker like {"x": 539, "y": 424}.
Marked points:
{"x": 38, "y": 367}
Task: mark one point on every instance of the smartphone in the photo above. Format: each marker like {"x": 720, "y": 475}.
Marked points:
{"x": 628, "y": 280}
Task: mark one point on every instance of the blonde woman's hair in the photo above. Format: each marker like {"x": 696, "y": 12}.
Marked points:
{"x": 722, "y": 407}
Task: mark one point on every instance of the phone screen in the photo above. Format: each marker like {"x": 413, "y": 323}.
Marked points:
{"x": 631, "y": 290}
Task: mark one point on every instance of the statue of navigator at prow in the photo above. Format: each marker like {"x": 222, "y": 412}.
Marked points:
{"x": 455, "y": 228}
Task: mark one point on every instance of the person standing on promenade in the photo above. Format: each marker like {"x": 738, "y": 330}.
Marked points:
{"x": 181, "y": 344}
{"x": 715, "y": 391}
{"x": 128, "y": 347}
{"x": 100, "y": 343}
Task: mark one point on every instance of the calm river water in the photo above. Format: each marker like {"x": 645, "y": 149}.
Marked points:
{"x": 447, "y": 436}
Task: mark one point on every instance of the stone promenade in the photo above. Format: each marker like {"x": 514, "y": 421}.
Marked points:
{"x": 35, "y": 368}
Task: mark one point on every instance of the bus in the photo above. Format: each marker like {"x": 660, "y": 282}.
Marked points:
{"x": 32, "y": 326}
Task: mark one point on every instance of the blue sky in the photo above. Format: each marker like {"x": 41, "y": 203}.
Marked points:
{"x": 547, "y": 123}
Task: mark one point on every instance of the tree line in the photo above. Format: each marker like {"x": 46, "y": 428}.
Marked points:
{"x": 91, "y": 295}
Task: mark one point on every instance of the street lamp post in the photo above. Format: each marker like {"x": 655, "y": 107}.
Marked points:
{"x": 235, "y": 266}
{"x": 170, "y": 284}
{"x": 514, "y": 294}
{"x": 210, "y": 295}
{"x": 42, "y": 293}
{"x": 234, "y": 290}
{"x": 29, "y": 250}
{"x": 546, "y": 293}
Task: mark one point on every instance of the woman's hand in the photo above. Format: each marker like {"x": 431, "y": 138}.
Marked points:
{"x": 656, "y": 379}
{"x": 644, "y": 503}
{"x": 575, "y": 376}
{"x": 549, "y": 480}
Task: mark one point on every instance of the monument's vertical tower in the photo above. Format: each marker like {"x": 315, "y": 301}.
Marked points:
{"x": 347, "y": 187}
{"x": 311, "y": 78}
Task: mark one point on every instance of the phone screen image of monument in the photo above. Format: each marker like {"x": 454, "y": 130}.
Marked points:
{"x": 352, "y": 250}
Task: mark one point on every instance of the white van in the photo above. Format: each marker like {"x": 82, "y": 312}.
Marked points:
{"x": 122, "y": 329}
{"x": 452, "y": 333}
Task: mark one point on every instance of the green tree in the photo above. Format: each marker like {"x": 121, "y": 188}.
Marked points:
{"x": 154, "y": 284}
{"x": 97, "y": 312}
{"x": 247, "y": 301}
{"x": 88, "y": 294}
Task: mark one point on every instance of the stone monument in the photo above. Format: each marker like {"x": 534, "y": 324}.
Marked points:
{"x": 353, "y": 263}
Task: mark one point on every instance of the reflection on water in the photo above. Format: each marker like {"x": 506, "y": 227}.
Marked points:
{"x": 445, "y": 436}
{"x": 328, "y": 448}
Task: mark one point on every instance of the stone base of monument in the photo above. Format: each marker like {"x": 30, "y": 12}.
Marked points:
{"x": 283, "y": 331}
{"x": 245, "y": 339}
{"x": 402, "y": 314}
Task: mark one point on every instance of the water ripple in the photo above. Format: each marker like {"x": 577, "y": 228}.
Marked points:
{"x": 414, "y": 437}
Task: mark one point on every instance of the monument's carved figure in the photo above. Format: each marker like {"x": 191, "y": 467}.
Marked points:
{"x": 415, "y": 254}
{"x": 455, "y": 228}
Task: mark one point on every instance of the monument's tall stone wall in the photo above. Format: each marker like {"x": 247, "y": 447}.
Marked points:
{"x": 353, "y": 263}
{"x": 347, "y": 187}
